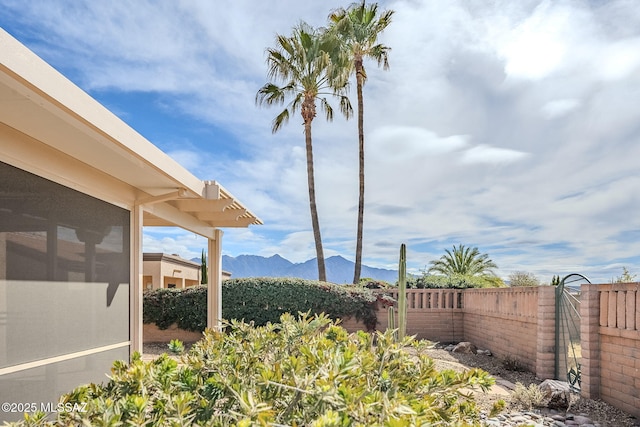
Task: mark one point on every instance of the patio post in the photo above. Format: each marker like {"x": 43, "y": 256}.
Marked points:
{"x": 214, "y": 286}
{"x": 135, "y": 317}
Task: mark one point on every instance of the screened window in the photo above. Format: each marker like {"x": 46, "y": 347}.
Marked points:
{"x": 64, "y": 284}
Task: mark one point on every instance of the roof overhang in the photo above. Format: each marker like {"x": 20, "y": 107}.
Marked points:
{"x": 39, "y": 102}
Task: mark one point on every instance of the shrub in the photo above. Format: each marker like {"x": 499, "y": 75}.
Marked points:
{"x": 429, "y": 281}
{"x": 305, "y": 372}
{"x": 185, "y": 307}
{"x": 528, "y": 397}
{"x": 176, "y": 347}
{"x": 259, "y": 300}
{"x": 522, "y": 278}
{"x": 262, "y": 300}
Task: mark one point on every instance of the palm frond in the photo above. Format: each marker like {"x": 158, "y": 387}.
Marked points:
{"x": 345, "y": 107}
{"x": 463, "y": 261}
{"x": 281, "y": 119}
{"x": 307, "y": 62}
{"x": 326, "y": 107}
{"x": 270, "y": 94}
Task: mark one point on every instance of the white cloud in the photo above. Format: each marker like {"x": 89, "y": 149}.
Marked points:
{"x": 537, "y": 46}
{"x": 488, "y": 154}
{"x": 173, "y": 241}
{"x": 507, "y": 125}
{"x": 401, "y": 142}
{"x": 620, "y": 59}
{"x": 559, "y": 107}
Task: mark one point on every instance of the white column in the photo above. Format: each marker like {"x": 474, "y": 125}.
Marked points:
{"x": 136, "y": 287}
{"x": 214, "y": 287}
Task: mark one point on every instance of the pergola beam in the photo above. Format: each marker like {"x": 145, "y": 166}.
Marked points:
{"x": 203, "y": 205}
{"x": 228, "y": 215}
{"x": 240, "y": 222}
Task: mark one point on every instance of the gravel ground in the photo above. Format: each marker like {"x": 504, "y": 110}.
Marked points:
{"x": 596, "y": 410}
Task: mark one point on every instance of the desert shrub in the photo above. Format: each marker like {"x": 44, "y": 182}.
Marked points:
{"x": 528, "y": 397}
{"x": 259, "y": 300}
{"x": 304, "y": 372}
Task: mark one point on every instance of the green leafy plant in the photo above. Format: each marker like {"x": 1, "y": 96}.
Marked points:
{"x": 306, "y": 371}
{"x": 455, "y": 281}
{"x": 176, "y": 347}
{"x": 261, "y": 300}
{"x": 185, "y": 307}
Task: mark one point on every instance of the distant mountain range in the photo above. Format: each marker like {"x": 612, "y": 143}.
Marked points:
{"x": 339, "y": 270}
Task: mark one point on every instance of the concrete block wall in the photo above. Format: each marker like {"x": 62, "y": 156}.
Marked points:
{"x": 511, "y": 322}
{"x": 432, "y": 314}
{"x": 611, "y": 344}
{"x": 545, "y": 332}
{"x": 503, "y": 336}
{"x": 351, "y": 324}
{"x": 444, "y": 326}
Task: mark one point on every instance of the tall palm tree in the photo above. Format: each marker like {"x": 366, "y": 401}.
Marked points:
{"x": 358, "y": 27}
{"x": 303, "y": 64}
{"x": 464, "y": 262}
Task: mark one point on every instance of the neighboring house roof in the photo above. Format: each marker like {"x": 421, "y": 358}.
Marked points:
{"x": 174, "y": 259}
{"x": 41, "y": 103}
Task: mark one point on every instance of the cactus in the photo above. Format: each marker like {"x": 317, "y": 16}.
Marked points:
{"x": 391, "y": 320}
{"x": 402, "y": 293}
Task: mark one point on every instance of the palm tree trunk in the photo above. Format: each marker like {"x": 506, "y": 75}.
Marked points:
{"x": 322, "y": 275}
{"x": 359, "y": 84}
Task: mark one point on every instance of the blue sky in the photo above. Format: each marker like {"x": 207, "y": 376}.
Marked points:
{"x": 510, "y": 126}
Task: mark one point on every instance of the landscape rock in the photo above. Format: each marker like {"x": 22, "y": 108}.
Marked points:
{"x": 557, "y": 393}
{"x": 465, "y": 347}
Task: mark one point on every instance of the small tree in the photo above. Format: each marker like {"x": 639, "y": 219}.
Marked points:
{"x": 522, "y": 278}
{"x": 203, "y": 268}
{"x": 626, "y": 277}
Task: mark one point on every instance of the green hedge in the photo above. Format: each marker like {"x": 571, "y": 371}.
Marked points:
{"x": 428, "y": 281}
{"x": 185, "y": 307}
{"x": 259, "y": 300}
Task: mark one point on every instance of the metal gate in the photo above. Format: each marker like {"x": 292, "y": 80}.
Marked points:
{"x": 568, "y": 348}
